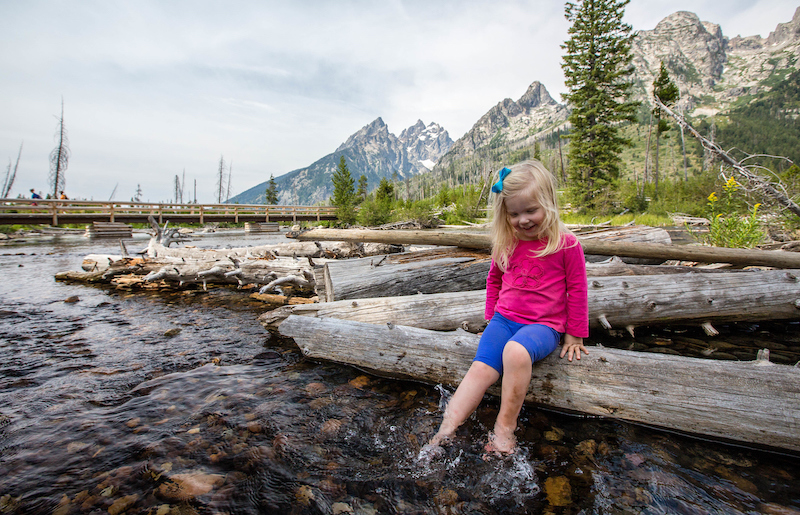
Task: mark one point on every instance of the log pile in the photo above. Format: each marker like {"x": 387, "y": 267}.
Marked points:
{"x": 108, "y": 230}
{"x": 259, "y": 227}
{"x": 414, "y": 314}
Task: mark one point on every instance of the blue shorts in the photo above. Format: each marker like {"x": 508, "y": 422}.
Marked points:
{"x": 538, "y": 339}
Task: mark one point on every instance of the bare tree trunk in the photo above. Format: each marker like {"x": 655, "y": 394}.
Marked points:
{"x": 655, "y": 159}
{"x": 59, "y": 157}
{"x": 11, "y": 175}
{"x": 647, "y": 151}
{"x": 683, "y": 151}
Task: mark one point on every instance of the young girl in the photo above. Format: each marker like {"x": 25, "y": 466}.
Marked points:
{"x": 536, "y": 293}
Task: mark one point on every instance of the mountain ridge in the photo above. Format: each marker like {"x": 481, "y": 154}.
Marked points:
{"x": 713, "y": 73}
{"x": 371, "y": 151}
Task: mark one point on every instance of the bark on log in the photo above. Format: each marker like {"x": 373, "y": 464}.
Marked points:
{"x": 437, "y": 271}
{"x": 747, "y": 257}
{"x": 328, "y": 249}
{"x": 750, "y": 402}
{"x": 183, "y": 271}
{"x": 614, "y": 302}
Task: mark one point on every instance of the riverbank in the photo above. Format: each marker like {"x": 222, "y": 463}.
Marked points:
{"x": 180, "y": 402}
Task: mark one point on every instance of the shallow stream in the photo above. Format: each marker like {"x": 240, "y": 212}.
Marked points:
{"x": 182, "y": 403}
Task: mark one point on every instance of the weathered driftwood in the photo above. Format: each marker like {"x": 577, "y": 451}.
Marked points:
{"x": 109, "y": 230}
{"x": 614, "y": 302}
{"x": 272, "y": 273}
{"x": 747, "y": 257}
{"x": 282, "y": 300}
{"x": 750, "y": 402}
{"x": 324, "y": 250}
{"x": 439, "y": 311}
{"x": 434, "y": 271}
{"x": 437, "y": 271}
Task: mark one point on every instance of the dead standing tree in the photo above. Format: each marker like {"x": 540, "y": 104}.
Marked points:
{"x": 221, "y": 178}
{"x": 763, "y": 184}
{"x": 11, "y": 175}
{"x": 59, "y": 157}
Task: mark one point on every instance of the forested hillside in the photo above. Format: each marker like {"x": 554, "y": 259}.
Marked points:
{"x": 768, "y": 123}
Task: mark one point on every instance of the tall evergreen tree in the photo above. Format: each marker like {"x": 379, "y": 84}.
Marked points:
{"x": 361, "y": 193}
{"x": 597, "y": 66}
{"x": 666, "y": 91}
{"x": 271, "y": 193}
{"x": 344, "y": 193}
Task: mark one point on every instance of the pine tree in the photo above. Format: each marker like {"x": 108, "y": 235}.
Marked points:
{"x": 271, "y": 193}
{"x": 597, "y": 66}
{"x": 667, "y": 92}
{"x": 361, "y": 193}
{"x": 344, "y": 193}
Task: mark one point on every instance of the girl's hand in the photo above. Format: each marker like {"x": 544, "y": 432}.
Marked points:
{"x": 572, "y": 346}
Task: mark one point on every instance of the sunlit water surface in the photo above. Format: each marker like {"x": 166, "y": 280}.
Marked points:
{"x": 104, "y": 407}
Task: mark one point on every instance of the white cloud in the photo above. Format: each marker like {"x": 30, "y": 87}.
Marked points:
{"x": 152, "y": 88}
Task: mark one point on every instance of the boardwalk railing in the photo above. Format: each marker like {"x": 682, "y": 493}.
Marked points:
{"x": 55, "y": 212}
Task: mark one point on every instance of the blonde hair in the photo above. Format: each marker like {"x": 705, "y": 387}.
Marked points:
{"x": 533, "y": 179}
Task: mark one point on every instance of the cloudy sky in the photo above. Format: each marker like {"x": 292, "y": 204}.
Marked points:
{"x": 154, "y": 89}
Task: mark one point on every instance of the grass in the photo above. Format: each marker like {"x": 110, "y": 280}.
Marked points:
{"x": 652, "y": 220}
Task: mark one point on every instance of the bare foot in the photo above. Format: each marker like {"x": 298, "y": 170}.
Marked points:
{"x": 433, "y": 449}
{"x": 501, "y": 442}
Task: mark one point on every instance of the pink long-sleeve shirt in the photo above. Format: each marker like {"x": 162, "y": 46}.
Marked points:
{"x": 551, "y": 290}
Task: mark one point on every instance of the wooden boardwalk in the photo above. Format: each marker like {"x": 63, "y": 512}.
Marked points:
{"x": 62, "y": 212}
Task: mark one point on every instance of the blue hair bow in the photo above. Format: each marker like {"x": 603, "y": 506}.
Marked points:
{"x": 498, "y": 186}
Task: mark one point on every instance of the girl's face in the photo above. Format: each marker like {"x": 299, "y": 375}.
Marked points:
{"x": 525, "y": 215}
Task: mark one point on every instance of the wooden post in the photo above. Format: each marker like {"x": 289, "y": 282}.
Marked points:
{"x": 201, "y": 214}
{"x": 111, "y": 212}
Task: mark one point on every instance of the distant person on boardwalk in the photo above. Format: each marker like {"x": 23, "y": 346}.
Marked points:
{"x": 34, "y": 195}
{"x": 536, "y": 295}
{"x": 63, "y": 196}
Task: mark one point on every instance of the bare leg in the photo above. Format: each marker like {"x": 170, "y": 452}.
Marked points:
{"x": 517, "y": 367}
{"x": 469, "y": 393}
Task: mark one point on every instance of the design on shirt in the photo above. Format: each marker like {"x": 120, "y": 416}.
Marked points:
{"x": 526, "y": 275}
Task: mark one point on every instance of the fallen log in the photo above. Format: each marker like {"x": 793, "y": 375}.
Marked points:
{"x": 437, "y": 271}
{"x": 746, "y": 257}
{"x": 434, "y": 271}
{"x": 270, "y": 273}
{"x": 298, "y": 249}
{"x": 748, "y": 402}
{"x": 614, "y": 302}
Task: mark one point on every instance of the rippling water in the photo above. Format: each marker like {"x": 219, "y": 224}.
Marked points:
{"x": 104, "y": 408}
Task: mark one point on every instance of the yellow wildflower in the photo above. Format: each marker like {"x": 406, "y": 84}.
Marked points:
{"x": 713, "y": 197}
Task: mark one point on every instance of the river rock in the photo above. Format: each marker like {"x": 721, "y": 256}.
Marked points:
{"x": 122, "y": 504}
{"x": 558, "y": 491}
{"x": 181, "y": 487}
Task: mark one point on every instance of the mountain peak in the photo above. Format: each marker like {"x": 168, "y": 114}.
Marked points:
{"x": 537, "y": 95}
{"x": 375, "y": 130}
